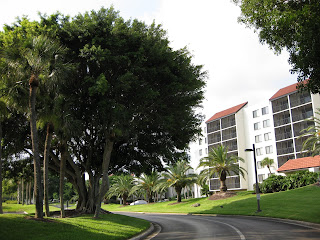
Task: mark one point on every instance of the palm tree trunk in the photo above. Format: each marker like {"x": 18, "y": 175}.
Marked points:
{"x": 22, "y": 190}
{"x": 45, "y": 167}
{"x": 223, "y": 186}
{"x": 1, "y": 210}
{"x": 30, "y": 187}
{"x": 19, "y": 193}
{"x": 178, "y": 191}
{"x": 62, "y": 174}
{"x": 33, "y": 83}
{"x": 27, "y": 193}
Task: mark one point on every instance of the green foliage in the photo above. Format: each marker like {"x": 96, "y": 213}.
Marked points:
{"x": 11, "y": 202}
{"x": 290, "y": 25}
{"x": 221, "y": 163}
{"x": 277, "y": 183}
{"x": 121, "y": 187}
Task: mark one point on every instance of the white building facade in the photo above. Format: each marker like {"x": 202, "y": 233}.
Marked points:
{"x": 273, "y": 125}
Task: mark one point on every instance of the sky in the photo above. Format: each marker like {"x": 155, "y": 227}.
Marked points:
{"x": 239, "y": 67}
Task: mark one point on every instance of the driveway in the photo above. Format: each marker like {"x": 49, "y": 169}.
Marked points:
{"x": 173, "y": 226}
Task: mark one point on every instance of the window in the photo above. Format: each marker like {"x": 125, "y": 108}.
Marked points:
{"x": 200, "y": 152}
{"x": 266, "y": 123}
{"x": 259, "y": 165}
{"x": 200, "y": 141}
{"x": 260, "y": 178}
{"x": 259, "y": 151}
{"x": 258, "y": 138}
{"x": 257, "y": 126}
{"x": 265, "y": 110}
{"x": 255, "y": 113}
{"x": 205, "y": 140}
{"x": 269, "y": 149}
{"x": 206, "y": 150}
{"x": 267, "y": 136}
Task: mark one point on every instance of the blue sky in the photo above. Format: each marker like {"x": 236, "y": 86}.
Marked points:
{"x": 240, "y": 68}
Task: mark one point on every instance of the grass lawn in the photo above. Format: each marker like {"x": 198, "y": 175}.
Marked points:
{"x": 108, "y": 226}
{"x": 298, "y": 204}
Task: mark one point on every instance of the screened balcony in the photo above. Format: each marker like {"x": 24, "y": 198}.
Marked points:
{"x": 231, "y": 182}
{"x": 213, "y": 126}
{"x": 214, "y": 137}
{"x": 228, "y": 121}
{"x": 283, "y": 159}
{"x": 229, "y": 133}
{"x": 280, "y": 104}
{"x": 302, "y": 113}
{"x": 285, "y": 147}
{"x": 283, "y": 132}
{"x": 298, "y": 98}
{"x": 282, "y": 118}
{"x": 300, "y": 126}
{"x": 231, "y": 145}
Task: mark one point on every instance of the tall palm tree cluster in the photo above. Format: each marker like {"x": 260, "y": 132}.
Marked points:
{"x": 152, "y": 186}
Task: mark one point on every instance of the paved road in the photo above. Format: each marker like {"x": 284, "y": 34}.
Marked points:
{"x": 220, "y": 227}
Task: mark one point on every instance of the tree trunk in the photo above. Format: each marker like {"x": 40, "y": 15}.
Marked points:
{"x": 27, "y": 193}
{"x": 33, "y": 83}
{"x": 30, "y": 187}
{"x": 22, "y": 191}
{"x": 46, "y": 166}
{"x": 178, "y": 191}
{"x": 62, "y": 174}
{"x": 105, "y": 167}
{"x": 223, "y": 186}
{"x": 1, "y": 210}
{"x": 19, "y": 193}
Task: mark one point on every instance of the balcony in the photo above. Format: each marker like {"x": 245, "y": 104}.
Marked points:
{"x": 283, "y": 159}
{"x": 229, "y": 133}
{"x": 228, "y": 122}
{"x": 213, "y": 126}
{"x": 285, "y": 147}
{"x": 282, "y": 121}
{"x": 297, "y": 99}
{"x": 231, "y": 182}
{"x": 281, "y": 151}
{"x": 214, "y": 138}
{"x": 280, "y": 104}
{"x": 231, "y": 145}
{"x": 283, "y": 133}
{"x": 302, "y": 116}
{"x": 300, "y": 126}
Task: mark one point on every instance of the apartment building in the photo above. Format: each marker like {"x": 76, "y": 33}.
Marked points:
{"x": 228, "y": 128}
{"x": 273, "y": 125}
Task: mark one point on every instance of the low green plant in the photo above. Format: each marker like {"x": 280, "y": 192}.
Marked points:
{"x": 11, "y": 202}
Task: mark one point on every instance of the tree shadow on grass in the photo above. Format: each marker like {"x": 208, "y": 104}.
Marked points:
{"x": 13, "y": 226}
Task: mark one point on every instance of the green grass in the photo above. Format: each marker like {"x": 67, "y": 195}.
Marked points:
{"x": 298, "y": 204}
{"x": 110, "y": 226}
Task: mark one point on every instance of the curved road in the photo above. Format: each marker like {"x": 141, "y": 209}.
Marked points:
{"x": 227, "y": 227}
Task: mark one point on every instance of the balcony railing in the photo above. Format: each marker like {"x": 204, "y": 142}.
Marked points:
{"x": 284, "y": 135}
{"x": 214, "y": 139}
{"x": 280, "y": 107}
{"x": 281, "y": 151}
{"x": 213, "y": 128}
{"x": 229, "y": 136}
{"x": 301, "y": 116}
{"x": 300, "y": 101}
{"x": 282, "y": 121}
{"x": 228, "y": 124}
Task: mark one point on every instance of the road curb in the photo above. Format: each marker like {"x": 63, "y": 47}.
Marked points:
{"x": 150, "y": 233}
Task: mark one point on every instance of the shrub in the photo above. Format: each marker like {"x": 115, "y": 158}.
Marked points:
{"x": 276, "y": 183}
{"x": 11, "y": 202}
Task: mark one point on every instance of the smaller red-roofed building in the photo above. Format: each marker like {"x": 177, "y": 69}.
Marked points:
{"x": 306, "y": 163}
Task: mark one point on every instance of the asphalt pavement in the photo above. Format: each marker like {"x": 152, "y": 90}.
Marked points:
{"x": 175, "y": 226}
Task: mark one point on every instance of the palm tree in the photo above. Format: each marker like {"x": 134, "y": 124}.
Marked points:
{"x": 221, "y": 163}
{"x": 148, "y": 183}
{"x": 177, "y": 176}
{"x": 312, "y": 143}
{"x": 121, "y": 187}
{"x": 38, "y": 63}
{"x": 267, "y": 162}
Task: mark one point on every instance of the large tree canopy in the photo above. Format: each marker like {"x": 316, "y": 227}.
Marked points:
{"x": 293, "y": 25}
{"x": 128, "y": 104}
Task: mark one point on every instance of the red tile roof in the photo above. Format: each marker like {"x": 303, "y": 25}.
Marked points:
{"x": 286, "y": 90}
{"x": 300, "y": 163}
{"x": 227, "y": 112}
